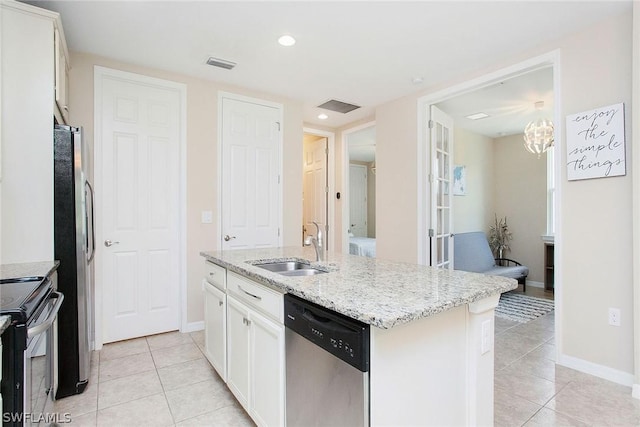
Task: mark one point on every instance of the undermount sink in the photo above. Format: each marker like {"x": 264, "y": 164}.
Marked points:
{"x": 291, "y": 268}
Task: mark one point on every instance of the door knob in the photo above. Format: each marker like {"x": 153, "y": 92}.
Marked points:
{"x": 227, "y": 238}
{"x": 108, "y": 243}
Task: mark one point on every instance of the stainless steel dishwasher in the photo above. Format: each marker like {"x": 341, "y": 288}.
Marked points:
{"x": 327, "y": 366}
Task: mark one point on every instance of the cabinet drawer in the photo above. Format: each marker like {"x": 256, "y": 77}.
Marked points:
{"x": 256, "y": 295}
{"x": 216, "y": 275}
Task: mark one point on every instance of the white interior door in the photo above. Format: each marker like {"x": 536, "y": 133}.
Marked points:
{"x": 358, "y": 200}
{"x": 139, "y": 205}
{"x": 315, "y": 185}
{"x": 440, "y": 232}
{"x": 251, "y": 144}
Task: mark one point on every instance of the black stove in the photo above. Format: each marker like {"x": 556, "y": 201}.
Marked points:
{"x": 31, "y": 303}
{"x": 20, "y": 298}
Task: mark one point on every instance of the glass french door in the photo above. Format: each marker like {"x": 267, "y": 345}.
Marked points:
{"x": 440, "y": 231}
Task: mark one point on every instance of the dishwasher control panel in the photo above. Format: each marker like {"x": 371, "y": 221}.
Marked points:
{"x": 342, "y": 336}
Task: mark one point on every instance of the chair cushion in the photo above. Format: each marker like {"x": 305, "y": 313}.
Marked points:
{"x": 471, "y": 252}
{"x": 512, "y": 272}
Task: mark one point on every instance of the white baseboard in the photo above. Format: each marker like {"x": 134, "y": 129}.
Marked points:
{"x": 534, "y": 284}
{"x": 193, "y": 327}
{"x": 600, "y": 371}
{"x": 635, "y": 391}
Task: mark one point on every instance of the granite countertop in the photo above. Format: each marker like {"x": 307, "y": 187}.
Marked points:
{"x": 378, "y": 292}
{"x": 28, "y": 269}
{"x": 4, "y": 323}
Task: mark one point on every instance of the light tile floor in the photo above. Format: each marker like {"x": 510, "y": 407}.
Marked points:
{"x": 531, "y": 390}
{"x": 160, "y": 380}
{"x": 165, "y": 380}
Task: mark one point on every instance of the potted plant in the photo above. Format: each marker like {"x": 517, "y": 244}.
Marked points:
{"x": 499, "y": 236}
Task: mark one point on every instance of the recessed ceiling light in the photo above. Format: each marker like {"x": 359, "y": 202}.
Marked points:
{"x": 417, "y": 80}
{"x": 287, "y": 40}
{"x": 323, "y": 116}
{"x": 477, "y": 116}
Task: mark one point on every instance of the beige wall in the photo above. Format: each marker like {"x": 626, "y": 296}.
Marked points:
{"x": 520, "y": 191}
{"x": 202, "y": 135}
{"x": 474, "y": 211}
{"x": 397, "y": 169}
{"x": 595, "y": 222}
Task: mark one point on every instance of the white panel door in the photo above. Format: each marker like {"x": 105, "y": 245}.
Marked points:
{"x": 358, "y": 200}
{"x": 315, "y": 186}
{"x": 441, "y": 134}
{"x": 140, "y": 137}
{"x": 251, "y": 142}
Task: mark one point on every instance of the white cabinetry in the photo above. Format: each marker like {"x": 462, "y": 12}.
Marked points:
{"x": 215, "y": 317}
{"x": 27, "y": 98}
{"x": 61, "y": 77}
{"x": 255, "y": 349}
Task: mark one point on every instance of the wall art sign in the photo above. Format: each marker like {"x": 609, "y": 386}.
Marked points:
{"x": 596, "y": 143}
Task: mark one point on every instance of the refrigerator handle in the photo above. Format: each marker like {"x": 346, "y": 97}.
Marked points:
{"x": 91, "y": 233}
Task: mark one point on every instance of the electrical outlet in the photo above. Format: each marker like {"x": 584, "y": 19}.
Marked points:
{"x": 614, "y": 316}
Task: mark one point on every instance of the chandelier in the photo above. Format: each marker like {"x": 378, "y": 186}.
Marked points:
{"x": 538, "y": 134}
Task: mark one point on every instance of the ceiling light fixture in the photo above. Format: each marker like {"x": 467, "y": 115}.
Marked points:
{"x": 477, "y": 116}
{"x": 323, "y": 116}
{"x": 417, "y": 80}
{"x": 287, "y": 40}
{"x": 538, "y": 134}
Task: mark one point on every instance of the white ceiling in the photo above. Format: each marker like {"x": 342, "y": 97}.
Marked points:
{"x": 360, "y": 52}
{"x": 509, "y": 104}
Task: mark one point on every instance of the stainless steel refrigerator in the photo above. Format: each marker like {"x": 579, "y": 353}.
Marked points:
{"x": 74, "y": 248}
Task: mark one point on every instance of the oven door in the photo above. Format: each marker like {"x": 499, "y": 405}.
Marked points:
{"x": 40, "y": 374}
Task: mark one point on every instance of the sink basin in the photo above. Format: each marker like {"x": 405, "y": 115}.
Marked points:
{"x": 291, "y": 268}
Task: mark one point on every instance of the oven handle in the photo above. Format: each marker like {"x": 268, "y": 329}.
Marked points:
{"x": 46, "y": 324}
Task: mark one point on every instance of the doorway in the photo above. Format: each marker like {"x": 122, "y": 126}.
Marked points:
{"x": 359, "y": 177}
{"x": 140, "y": 202}
{"x": 547, "y": 61}
{"x": 319, "y": 197}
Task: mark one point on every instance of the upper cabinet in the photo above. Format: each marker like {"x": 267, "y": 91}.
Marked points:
{"x": 28, "y": 39}
{"x": 61, "y": 109}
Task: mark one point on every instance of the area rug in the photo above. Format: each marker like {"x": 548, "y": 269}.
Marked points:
{"x": 522, "y": 308}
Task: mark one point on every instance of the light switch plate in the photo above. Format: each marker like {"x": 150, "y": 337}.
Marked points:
{"x": 207, "y": 217}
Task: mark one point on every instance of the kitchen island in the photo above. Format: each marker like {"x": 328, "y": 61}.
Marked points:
{"x": 431, "y": 335}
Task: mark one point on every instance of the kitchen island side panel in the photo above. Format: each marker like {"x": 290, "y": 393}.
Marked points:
{"x": 419, "y": 372}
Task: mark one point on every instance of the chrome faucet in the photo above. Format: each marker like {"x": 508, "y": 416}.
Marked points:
{"x": 317, "y": 243}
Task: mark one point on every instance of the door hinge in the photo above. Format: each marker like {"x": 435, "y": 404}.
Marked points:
{"x": 326, "y": 151}
{"x": 431, "y": 232}
{"x": 278, "y": 179}
{"x": 278, "y": 123}
{"x": 430, "y": 124}
{"x": 326, "y": 189}
{"x": 278, "y": 231}
{"x": 430, "y": 177}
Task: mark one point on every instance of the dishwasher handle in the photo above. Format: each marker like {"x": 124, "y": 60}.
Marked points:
{"x": 324, "y": 322}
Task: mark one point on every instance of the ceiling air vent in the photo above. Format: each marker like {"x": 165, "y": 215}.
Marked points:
{"x": 227, "y": 65}
{"x": 338, "y": 106}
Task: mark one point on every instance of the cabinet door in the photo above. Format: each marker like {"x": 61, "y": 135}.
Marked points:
{"x": 62, "y": 77}
{"x": 267, "y": 371}
{"x": 238, "y": 350}
{"x": 215, "y": 328}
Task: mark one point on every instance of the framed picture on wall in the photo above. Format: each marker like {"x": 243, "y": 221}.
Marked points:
{"x": 459, "y": 180}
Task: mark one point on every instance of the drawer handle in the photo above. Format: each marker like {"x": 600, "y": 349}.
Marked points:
{"x": 259, "y": 298}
